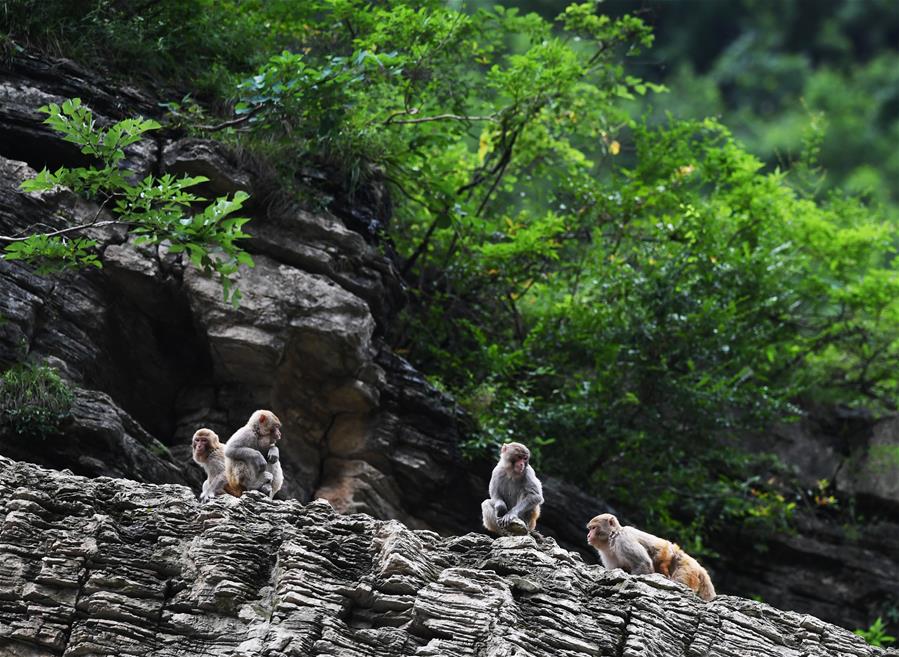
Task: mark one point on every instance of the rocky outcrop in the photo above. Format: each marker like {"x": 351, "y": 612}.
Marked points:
{"x": 113, "y": 567}
{"x": 841, "y": 564}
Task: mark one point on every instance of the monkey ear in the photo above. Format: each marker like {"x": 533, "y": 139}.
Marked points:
{"x": 504, "y": 448}
{"x": 263, "y": 418}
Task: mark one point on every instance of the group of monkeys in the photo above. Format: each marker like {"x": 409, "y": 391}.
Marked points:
{"x": 514, "y": 506}
{"x": 250, "y": 460}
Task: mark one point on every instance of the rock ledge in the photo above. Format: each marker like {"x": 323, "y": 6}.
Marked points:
{"x": 115, "y": 567}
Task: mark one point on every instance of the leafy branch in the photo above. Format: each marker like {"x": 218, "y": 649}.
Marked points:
{"x": 156, "y": 210}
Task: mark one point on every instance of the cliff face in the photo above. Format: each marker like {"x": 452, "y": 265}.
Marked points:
{"x": 113, "y": 567}
{"x": 361, "y": 425}
{"x": 154, "y": 353}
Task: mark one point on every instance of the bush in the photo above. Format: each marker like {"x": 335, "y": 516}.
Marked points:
{"x": 33, "y": 400}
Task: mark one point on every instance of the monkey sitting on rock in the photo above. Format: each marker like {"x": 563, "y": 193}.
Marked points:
{"x": 640, "y": 553}
{"x": 515, "y": 493}
{"x": 252, "y": 458}
{"x": 208, "y": 454}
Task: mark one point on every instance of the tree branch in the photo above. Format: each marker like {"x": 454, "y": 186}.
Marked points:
{"x": 232, "y": 122}
{"x": 62, "y": 231}
{"x": 439, "y": 117}
{"x": 69, "y": 229}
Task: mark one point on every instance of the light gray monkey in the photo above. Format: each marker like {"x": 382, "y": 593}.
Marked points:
{"x": 208, "y": 453}
{"x": 252, "y": 458}
{"x": 515, "y": 493}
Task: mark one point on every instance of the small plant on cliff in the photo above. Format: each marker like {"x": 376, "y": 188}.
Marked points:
{"x": 876, "y": 634}
{"x": 33, "y": 400}
{"x": 154, "y": 209}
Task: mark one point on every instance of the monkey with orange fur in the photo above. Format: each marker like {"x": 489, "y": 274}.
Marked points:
{"x": 515, "y": 493}
{"x": 252, "y": 458}
{"x": 638, "y": 552}
{"x": 208, "y": 454}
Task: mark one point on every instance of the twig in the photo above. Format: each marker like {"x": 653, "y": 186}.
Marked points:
{"x": 70, "y": 229}
{"x": 61, "y": 231}
{"x": 232, "y": 122}
{"x": 439, "y": 117}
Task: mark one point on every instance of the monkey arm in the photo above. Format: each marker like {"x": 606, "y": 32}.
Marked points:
{"x": 631, "y": 554}
{"x": 531, "y": 496}
{"x": 525, "y": 505}
{"x": 274, "y": 454}
{"x": 246, "y": 454}
{"x": 499, "y": 504}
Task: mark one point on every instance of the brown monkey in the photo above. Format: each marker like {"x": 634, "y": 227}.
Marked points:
{"x": 515, "y": 493}
{"x": 252, "y": 458}
{"x": 208, "y": 453}
{"x": 638, "y": 552}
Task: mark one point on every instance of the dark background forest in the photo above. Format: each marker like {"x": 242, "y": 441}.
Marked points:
{"x": 633, "y": 234}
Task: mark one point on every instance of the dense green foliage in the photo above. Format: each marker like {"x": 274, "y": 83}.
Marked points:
{"x": 154, "y": 209}
{"x": 624, "y": 295}
{"x": 33, "y": 401}
{"x": 769, "y": 69}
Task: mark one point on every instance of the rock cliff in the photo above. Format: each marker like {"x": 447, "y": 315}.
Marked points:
{"x": 113, "y": 567}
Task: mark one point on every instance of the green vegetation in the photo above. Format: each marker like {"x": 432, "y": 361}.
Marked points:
{"x": 33, "y": 401}
{"x": 876, "y": 634}
{"x": 626, "y": 296}
{"x": 154, "y": 209}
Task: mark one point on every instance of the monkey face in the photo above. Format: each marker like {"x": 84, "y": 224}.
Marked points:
{"x": 203, "y": 442}
{"x": 267, "y": 427}
{"x": 516, "y": 456}
{"x": 600, "y": 528}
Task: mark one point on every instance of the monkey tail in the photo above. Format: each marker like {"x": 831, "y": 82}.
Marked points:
{"x": 532, "y": 520}
{"x": 232, "y": 487}
{"x": 235, "y": 490}
{"x": 706, "y": 589}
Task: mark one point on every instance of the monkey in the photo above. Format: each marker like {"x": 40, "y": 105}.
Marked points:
{"x": 640, "y": 553}
{"x": 515, "y": 493}
{"x": 252, "y": 458}
{"x": 208, "y": 453}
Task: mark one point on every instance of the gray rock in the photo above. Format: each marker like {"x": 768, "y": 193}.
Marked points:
{"x": 113, "y": 567}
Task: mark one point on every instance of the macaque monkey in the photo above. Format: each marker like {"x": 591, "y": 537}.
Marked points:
{"x": 515, "y": 493}
{"x": 208, "y": 453}
{"x": 637, "y": 552}
{"x": 252, "y": 458}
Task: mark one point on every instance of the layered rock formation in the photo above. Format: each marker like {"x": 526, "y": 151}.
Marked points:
{"x": 113, "y": 567}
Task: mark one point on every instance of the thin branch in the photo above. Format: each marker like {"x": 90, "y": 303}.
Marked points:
{"x": 70, "y": 229}
{"x": 421, "y": 247}
{"x": 516, "y": 318}
{"x": 232, "y": 122}
{"x": 62, "y": 231}
{"x": 439, "y": 117}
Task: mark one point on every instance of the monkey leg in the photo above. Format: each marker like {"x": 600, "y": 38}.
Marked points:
{"x": 488, "y": 515}
{"x": 261, "y": 481}
{"x": 277, "y": 477}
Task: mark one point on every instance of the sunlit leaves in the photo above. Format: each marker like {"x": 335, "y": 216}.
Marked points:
{"x": 154, "y": 209}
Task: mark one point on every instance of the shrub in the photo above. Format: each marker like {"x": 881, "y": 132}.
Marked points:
{"x": 33, "y": 400}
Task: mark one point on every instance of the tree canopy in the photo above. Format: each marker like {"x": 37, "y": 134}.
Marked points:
{"x": 624, "y": 291}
